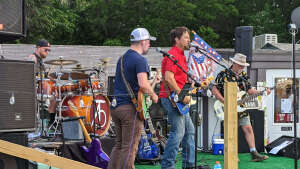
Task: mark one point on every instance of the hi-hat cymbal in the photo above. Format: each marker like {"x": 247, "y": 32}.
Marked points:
{"x": 60, "y": 62}
{"x": 105, "y": 60}
{"x": 71, "y": 76}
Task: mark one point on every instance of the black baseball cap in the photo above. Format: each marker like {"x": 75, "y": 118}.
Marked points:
{"x": 42, "y": 43}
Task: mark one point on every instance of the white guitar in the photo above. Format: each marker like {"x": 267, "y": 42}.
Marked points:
{"x": 242, "y": 103}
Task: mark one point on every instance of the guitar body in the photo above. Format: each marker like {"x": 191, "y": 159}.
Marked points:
{"x": 219, "y": 106}
{"x": 143, "y": 102}
{"x": 183, "y": 108}
{"x": 147, "y": 149}
{"x": 95, "y": 155}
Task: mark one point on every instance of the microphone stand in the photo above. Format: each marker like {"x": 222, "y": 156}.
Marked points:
{"x": 94, "y": 106}
{"x": 198, "y": 94}
{"x": 294, "y": 31}
{"x": 42, "y": 106}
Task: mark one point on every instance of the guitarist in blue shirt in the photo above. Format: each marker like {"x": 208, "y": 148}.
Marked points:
{"x": 238, "y": 75}
{"x": 127, "y": 124}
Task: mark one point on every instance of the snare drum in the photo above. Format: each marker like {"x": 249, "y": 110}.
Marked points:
{"x": 84, "y": 107}
{"x": 48, "y": 88}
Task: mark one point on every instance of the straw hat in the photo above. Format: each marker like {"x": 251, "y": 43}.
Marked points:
{"x": 240, "y": 59}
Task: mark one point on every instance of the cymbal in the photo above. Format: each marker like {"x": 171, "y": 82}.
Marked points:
{"x": 103, "y": 64}
{"x": 61, "y": 61}
{"x": 71, "y": 76}
{"x": 78, "y": 67}
{"x": 105, "y": 60}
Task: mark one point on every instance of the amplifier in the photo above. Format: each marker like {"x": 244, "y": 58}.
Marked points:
{"x": 11, "y": 162}
{"x": 17, "y": 96}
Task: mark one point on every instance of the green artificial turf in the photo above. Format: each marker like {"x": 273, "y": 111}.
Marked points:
{"x": 274, "y": 162}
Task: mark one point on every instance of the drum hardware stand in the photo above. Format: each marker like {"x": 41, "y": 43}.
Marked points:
{"x": 94, "y": 106}
{"x": 58, "y": 118}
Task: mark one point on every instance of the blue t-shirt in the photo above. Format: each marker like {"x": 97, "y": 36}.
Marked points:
{"x": 133, "y": 63}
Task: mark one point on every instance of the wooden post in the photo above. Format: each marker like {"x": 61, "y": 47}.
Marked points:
{"x": 41, "y": 157}
{"x": 230, "y": 126}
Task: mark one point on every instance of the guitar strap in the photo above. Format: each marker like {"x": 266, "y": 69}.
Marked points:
{"x": 134, "y": 101}
{"x": 128, "y": 87}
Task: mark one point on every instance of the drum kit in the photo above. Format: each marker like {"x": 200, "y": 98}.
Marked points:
{"x": 84, "y": 87}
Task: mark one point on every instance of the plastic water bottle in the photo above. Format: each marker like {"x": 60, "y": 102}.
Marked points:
{"x": 217, "y": 165}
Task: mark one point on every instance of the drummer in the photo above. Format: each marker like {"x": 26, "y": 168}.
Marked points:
{"x": 41, "y": 52}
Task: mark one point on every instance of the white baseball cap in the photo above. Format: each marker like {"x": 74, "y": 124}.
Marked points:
{"x": 140, "y": 34}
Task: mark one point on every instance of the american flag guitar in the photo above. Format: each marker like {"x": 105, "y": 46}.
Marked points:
{"x": 199, "y": 66}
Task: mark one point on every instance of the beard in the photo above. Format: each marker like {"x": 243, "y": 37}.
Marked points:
{"x": 145, "y": 51}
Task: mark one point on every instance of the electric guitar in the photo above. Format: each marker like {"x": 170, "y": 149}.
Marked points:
{"x": 94, "y": 154}
{"x": 147, "y": 149}
{"x": 243, "y": 98}
{"x": 185, "y": 108}
{"x": 144, "y": 101}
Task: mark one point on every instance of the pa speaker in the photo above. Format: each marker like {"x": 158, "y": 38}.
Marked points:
{"x": 244, "y": 41}
{"x": 11, "y": 162}
{"x": 12, "y": 19}
{"x": 17, "y": 96}
{"x": 257, "y": 122}
{"x": 287, "y": 151}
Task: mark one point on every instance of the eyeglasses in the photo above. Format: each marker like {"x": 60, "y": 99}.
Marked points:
{"x": 47, "y": 50}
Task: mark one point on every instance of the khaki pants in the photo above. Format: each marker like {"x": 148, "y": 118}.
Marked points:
{"x": 128, "y": 130}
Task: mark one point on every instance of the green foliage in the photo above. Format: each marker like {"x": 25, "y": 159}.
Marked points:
{"x": 112, "y": 42}
{"x": 109, "y": 22}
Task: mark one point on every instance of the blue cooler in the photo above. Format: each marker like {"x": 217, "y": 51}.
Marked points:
{"x": 218, "y": 146}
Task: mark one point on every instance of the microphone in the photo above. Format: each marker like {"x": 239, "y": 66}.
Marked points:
{"x": 163, "y": 52}
{"x": 192, "y": 44}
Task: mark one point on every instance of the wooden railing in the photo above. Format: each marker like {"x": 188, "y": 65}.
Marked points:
{"x": 41, "y": 157}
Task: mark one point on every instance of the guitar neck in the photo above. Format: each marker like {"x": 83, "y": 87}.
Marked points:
{"x": 252, "y": 96}
{"x": 149, "y": 121}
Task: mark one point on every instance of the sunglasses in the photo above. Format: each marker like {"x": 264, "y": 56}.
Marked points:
{"x": 47, "y": 50}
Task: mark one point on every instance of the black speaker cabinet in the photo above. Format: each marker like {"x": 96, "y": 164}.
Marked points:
{"x": 244, "y": 41}
{"x": 287, "y": 151}
{"x": 12, "y": 18}
{"x": 257, "y": 122}
{"x": 11, "y": 162}
{"x": 17, "y": 96}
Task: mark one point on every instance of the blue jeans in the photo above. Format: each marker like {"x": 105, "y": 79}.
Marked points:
{"x": 182, "y": 130}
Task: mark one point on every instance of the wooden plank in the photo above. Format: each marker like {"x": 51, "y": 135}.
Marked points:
{"x": 41, "y": 157}
{"x": 230, "y": 126}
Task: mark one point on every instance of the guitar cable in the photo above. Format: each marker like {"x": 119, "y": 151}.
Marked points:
{"x": 131, "y": 141}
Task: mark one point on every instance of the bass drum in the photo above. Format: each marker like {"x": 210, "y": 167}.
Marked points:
{"x": 84, "y": 105}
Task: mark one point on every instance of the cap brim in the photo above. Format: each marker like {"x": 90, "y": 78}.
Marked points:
{"x": 152, "y": 38}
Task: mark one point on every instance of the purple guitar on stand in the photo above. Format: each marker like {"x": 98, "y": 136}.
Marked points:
{"x": 94, "y": 154}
